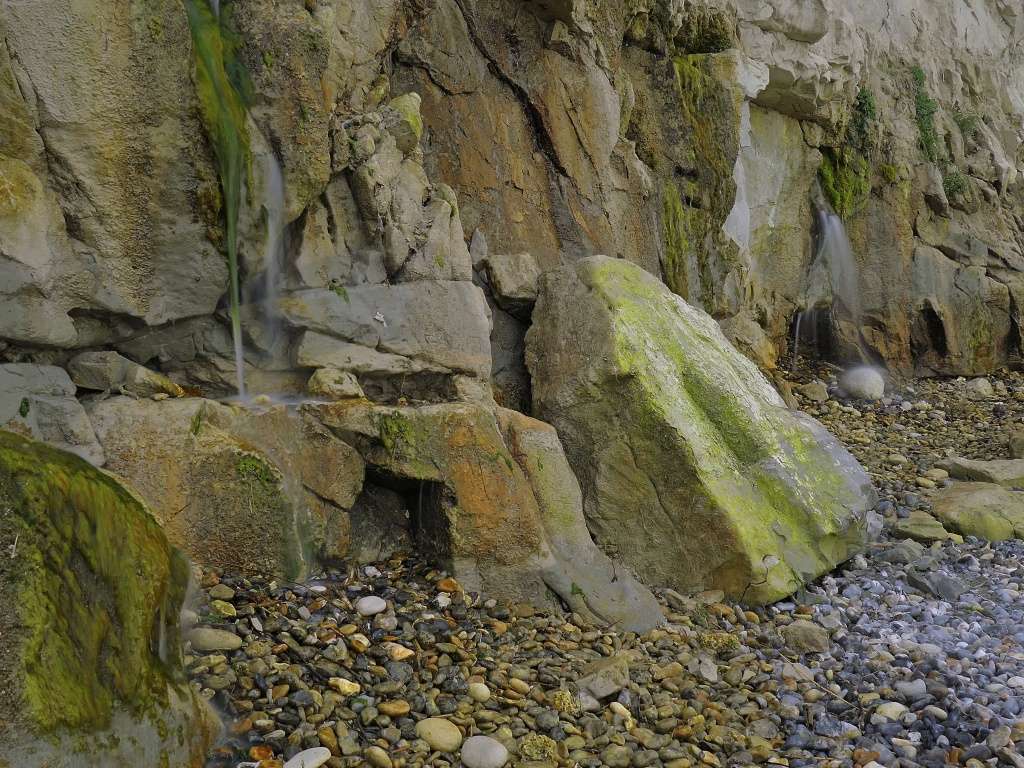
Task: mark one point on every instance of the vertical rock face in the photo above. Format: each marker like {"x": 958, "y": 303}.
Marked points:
{"x": 685, "y": 137}
{"x": 708, "y": 182}
{"x": 693, "y": 471}
{"x": 91, "y": 591}
{"x": 108, "y": 142}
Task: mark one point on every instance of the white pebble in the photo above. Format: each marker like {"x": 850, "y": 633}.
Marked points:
{"x": 483, "y": 752}
{"x": 309, "y": 758}
{"x": 370, "y": 605}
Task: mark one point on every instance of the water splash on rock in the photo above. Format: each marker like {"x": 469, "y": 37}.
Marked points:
{"x": 831, "y": 306}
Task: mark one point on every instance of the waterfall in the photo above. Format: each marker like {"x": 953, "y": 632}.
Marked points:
{"x": 215, "y": 7}
{"x": 832, "y": 287}
{"x": 273, "y": 208}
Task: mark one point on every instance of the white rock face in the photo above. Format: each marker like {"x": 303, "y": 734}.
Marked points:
{"x": 864, "y": 383}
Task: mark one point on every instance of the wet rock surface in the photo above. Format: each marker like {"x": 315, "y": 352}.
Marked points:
{"x": 908, "y": 655}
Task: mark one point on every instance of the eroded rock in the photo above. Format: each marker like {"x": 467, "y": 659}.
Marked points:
{"x": 985, "y": 510}
{"x": 256, "y": 491}
{"x": 39, "y": 400}
{"x": 519, "y": 528}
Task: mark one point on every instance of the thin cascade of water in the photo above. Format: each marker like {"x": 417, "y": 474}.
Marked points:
{"x": 832, "y": 285}
{"x": 215, "y": 7}
{"x": 273, "y": 207}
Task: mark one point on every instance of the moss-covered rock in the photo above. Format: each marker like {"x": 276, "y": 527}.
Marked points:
{"x": 91, "y": 590}
{"x": 692, "y": 469}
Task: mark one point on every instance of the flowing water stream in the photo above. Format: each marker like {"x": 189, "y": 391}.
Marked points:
{"x": 831, "y": 291}
{"x": 273, "y": 249}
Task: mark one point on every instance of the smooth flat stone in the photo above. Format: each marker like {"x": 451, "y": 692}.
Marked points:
{"x": 310, "y": 758}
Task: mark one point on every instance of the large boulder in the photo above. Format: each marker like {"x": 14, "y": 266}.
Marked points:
{"x": 258, "y": 491}
{"x": 692, "y": 469}
{"x": 493, "y": 497}
{"x": 90, "y": 594}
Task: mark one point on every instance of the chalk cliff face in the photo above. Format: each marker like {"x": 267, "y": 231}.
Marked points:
{"x": 685, "y": 137}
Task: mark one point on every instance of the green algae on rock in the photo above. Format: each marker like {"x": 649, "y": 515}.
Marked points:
{"x": 692, "y": 469}
{"x": 221, "y": 85}
{"x": 89, "y": 647}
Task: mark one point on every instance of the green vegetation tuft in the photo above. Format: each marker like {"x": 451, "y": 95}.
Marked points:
{"x": 846, "y": 180}
{"x": 395, "y": 432}
{"x": 706, "y": 30}
{"x": 252, "y": 467}
{"x": 24, "y": 408}
{"x": 341, "y": 291}
{"x": 967, "y": 122}
{"x": 954, "y": 184}
{"x": 860, "y": 131}
{"x": 890, "y": 172}
{"x": 925, "y": 108}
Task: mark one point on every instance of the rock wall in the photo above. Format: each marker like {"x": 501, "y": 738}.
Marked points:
{"x": 685, "y": 137}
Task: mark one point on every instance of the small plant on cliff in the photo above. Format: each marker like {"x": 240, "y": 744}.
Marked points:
{"x": 860, "y": 131}
{"x": 967, "y": 122}
{"x": 925, "y": 108}
{"x": 954, "y": 183}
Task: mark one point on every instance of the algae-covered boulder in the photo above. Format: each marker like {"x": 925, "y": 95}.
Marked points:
{"x": 493, "y": 498}
{"x": 90, "y": 594}
{"x": 692, "y": 469}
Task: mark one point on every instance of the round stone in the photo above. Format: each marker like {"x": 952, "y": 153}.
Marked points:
{"x": 221, "y": 592}
{"x": 483, "y": 752}
{"x": 442, "y": 735}
{"x": 371, "y": 605}
{"x": 863, "y": 382}
{"x": 479, "y": 692}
